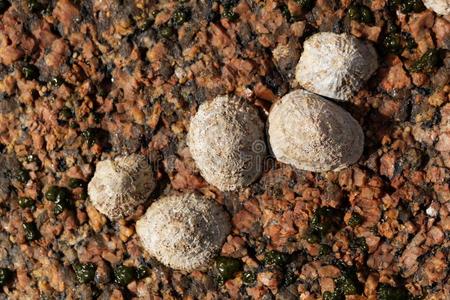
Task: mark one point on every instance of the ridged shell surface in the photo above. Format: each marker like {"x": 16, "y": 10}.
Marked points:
{"x": 335, "y": 65}
{"x": 226, "y": 140}
{"x": 313, "y": 134}
{"x": 120, "y": 185}
{"x": 184, "y": 232}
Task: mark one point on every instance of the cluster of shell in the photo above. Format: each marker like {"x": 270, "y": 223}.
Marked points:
{"x": 227, "y": 141}
{"x": 182, "y": 231}
{"x": 226, "y": 137}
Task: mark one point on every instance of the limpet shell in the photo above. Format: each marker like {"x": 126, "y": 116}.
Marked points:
{"x": 184, "y": 232}
{"x": 226, "y": 140}
{"x": 335, "y": 65}
{"x": 313, "y": 134}
{"x": 120, "y": 185}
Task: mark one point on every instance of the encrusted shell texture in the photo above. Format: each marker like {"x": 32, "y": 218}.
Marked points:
{"x": 313, "y": 134}
{"x": 184, "y": 232}
{"x": 441, "y": 7}
{"x": 226, "y": 140}
{"x": 335, "y": 65}
{"x": 120, "y": 185}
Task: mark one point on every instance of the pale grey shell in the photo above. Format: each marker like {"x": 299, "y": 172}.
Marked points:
{"x": 441, "y": 7}
{"x": 120, "y": 185}
{"x": 184, "y": 232}
{"x": 313, "y": 134}
{"x": 335, "y": 65}
{"x": 226, "y": 140}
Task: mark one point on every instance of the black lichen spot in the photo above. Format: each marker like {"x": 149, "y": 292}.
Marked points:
{"x": 387, "y": 292}
{"x": 409, "y": 6}
{"x": 23, "y": 175}
{"x": 355, "y": 220}
{"x": 142, "y": 272}
{"x": 180, "y": 16}
{"x": 25, "y": 202}
{"x": 230, "y": 15}
{"x": 324, "y": 249}
{"x": 31, "y": 231}
{"x": 361, "y": 13}
{"x": 392, "y": 43}
{"x": 30, "y": 72}
{"x": 56, "y": 81}
{"x": 4, "y": 5}
{"x": 325, "y": 219}
{"x": 5, "y": 276}
{"x": 427, "y": 62}
{"x": 76, "y": 183}
{"x": 166, "y": 31}
{"x": 123, "y": 275}
{"x": 276, "y": 258}
{"x": 249, "y": 277}
{"x": 227, "y": 267}
{"x": 306, "y": 5}
{"x": 84, "y": 273}
{"x": 359, "y": 243}
{"x": 35, "y": 6}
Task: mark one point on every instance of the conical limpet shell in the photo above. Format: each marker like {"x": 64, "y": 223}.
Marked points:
{"x": 335, "y": 65}
{"x": 313, "y": 134}
{"x": 120, "y": 185}
{"x": 226, "y": 140}
{"x": 184, "y": 232}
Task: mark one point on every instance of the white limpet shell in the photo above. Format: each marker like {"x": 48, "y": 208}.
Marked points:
{"x": 184, "y": 232}
{"x": 313, "y": 134}
{"x": 226, "y": 140}
{"x": 120, "y": 185}
{"x": 441, "y": 7}
{"x": 335, "y": 65}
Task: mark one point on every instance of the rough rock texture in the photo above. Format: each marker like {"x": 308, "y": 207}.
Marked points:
{"x": 184, "y": 231}
{"x": 8, "y": 165}
{"x": 226, "y": 140}
{"x": 441, "y": 7}
{"x": 120, "y": 185}
{"x": 122, "y": 77}
{"x": 335, "y": 65}
{"x": 313, "y": 134}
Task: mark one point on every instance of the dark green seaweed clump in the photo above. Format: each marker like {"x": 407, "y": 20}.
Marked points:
{"x": 5, "y": 276}
{"x": 227, "y": 267}
{"x": 276, "y": 258}
{"x": 387, "y": 292}
{"x": 31, "y": 231}
{"x": 361, "y": 13}
{"x": 427, "y": 62}
{"x": 123, "y": 275}
{"x": 84, "y": 273}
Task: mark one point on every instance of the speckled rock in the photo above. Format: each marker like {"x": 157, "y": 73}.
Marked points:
{"x": 120, "y": 185}
{"x": 184, "y": 232}
{"x": 314, "y": 134}
{"x": 8, "y": 166}
{"x": 441, "y": 7}
{"x": 335, "y": 65}
{"x": 226, "y": 140}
